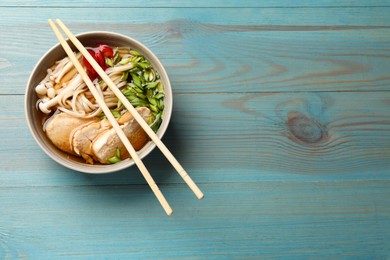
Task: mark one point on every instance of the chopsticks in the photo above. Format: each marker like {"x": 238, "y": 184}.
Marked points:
{"x": 130, "y": 108}
{"x": 113, "y": 121}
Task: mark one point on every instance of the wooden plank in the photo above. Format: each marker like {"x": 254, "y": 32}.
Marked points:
{"x": 281, "y": 115}
{"x": 241, "y": 220}
{"x": 198, "y": 3}
{"x": 278, "y": 49}
{"x": 305, "y": 16}
{"x": 234, "y": 137}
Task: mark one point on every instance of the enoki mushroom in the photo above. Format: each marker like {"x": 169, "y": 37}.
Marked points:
{"x": 63, "y": 89}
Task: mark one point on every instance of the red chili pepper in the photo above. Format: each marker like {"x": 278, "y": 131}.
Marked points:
{"x": 100, "y": 59}
{"x": 91, "y": 72}
{"x": 99, "y": 54}
{"x": 106, "y": 50}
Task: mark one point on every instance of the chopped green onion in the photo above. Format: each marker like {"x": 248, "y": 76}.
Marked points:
{"x": 136, "y": 80}
{"x": 153, "y": 108}
{"x": 140, "y": 95}
{"x": 115, "y": 113}
{"x": 149, "y": 92}
{"x": 124, "y": 61}
{"x": 116, "y": 158}
{"x": 118, "y": 153}
{"x": 109, "y": 62}
{"x": 152, "y": 75}
{"x": 160, "y": 104}
{"x": 146, "y": 75}
{"x": 116, "y": 57}
{"x": 152, "y": 101}
{"x": 152, "y": 85}
{"x": 143, "y": 65}
{"x": 125, "y": 75}
{"x": 158, "y": 96}
{"x": 113, "y": 160}
{"x": 135, "y": 53}
{"x": 160, "y": 87}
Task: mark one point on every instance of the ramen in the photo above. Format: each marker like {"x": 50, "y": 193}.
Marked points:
{"x": 73, "y": 120}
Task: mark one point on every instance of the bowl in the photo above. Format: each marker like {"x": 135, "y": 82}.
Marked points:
{"x": 34, "y": 117}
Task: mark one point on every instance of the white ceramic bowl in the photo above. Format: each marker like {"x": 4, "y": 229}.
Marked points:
{"x": 34, "y": 117}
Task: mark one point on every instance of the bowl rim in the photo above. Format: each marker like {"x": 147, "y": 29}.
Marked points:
{"x": 147, "y": 149}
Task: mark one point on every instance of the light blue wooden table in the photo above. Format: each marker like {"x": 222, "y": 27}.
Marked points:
{"x": 281, "y": 116}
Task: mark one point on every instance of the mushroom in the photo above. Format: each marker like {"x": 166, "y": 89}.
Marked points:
{"x": 69, "y": 90}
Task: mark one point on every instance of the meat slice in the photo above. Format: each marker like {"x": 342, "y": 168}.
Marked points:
{"x": 61, "y": 127}
{"x": 106, "y": 144}
{"x": 84, "y": 136}
{"x": 95, "y": 139}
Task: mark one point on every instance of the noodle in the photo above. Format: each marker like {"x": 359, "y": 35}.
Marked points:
{"x": 62, "y": 90}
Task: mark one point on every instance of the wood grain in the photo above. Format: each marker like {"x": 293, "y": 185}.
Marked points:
{"x": 281, "y": 116}
{"x": 197, "y": 4}
{"x": 282, "y": 219}
{"x": 273, "y": 136}
{"x": 244, "y": 53}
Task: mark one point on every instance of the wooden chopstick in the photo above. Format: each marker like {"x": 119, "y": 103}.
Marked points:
{"x": 133, "y": 111}
{"x": 112, "y": 120}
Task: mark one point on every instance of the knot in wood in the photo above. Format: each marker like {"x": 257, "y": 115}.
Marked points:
{"x": 306, "y": 130}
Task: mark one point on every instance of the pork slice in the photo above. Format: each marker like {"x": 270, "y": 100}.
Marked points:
{"x": 61, "y": 127}
{"x": 106, "y": 144}
{"x": 84, "y": 136}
